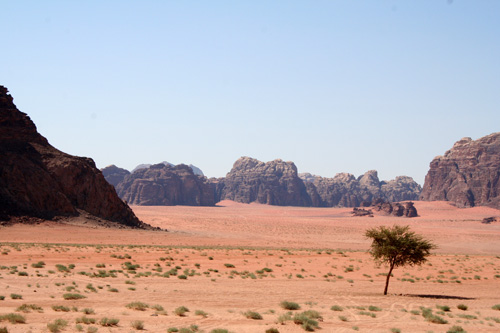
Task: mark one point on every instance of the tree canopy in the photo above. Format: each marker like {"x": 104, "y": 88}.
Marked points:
{"x": 398, "y": 246}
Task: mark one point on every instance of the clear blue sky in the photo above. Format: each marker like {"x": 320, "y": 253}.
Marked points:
{"x": 335, "y": 86}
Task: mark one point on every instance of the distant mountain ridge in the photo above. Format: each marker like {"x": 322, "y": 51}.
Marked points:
{"x": 250, "y": 180}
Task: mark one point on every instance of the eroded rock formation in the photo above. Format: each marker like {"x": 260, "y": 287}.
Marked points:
{"x": 272, "y": 183}
{"x": 38, "y": 180}
{"x": 166, "y": 185}
{"x": 468, "y": 174}
{"x": 345, "y": 190}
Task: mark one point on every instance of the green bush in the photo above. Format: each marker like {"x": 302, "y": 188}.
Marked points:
{"x": 16, "y": 296}
{"x": 85, "y": 320}
{"x": 181, "y": 311}
{"x": 137, "y": 324}
{"x": 109, "y": 321}
{"x": 60, "y": 308}
{"x": 456, "y": 329}
{"x": 57, "y": 326}
{"x": 70, "y": 296}
{"x": 13, "y": 318}
{"x": 462, "y": 307}
{"x": 336, "y": 308}
{"x": 253, "y": 315}
{"x": 496, "y": 307}
{"x": 272, "y": 330}
{"x": 290, "y": 305}
{"x": 139, "y": 306}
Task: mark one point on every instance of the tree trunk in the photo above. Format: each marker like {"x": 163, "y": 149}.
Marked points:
{"x": 387, "y": 279}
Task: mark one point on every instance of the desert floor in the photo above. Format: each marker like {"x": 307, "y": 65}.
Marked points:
{"x": 222, "y": 262}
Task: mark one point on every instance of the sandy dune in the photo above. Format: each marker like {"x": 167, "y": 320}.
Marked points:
{"x": 315, "y": 257}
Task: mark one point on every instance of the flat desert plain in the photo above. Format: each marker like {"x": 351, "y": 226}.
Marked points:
{"x": 238, "y": 267}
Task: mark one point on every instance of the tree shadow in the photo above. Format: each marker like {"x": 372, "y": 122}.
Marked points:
{"x": 439, "y": 296}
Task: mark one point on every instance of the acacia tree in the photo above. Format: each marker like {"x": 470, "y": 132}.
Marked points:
{"x": 398, "y": 246}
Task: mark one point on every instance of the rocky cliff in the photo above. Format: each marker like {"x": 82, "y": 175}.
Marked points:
{"x": 468, "y": 174}
{"x": 273, "y": 183}
{"x": 166, "y": 185}
{"x": 38, "y": 180}
{"x": 196, "y": 170}
{"x": 345, "y": 190}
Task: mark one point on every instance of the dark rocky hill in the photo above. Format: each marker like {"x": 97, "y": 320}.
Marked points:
{"x": 166, "y": 185}
{"x": 37, "y": 180}
{"x": 468, "y": 174}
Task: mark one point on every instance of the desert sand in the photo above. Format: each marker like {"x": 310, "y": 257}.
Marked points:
{"x": 221, "y": 262}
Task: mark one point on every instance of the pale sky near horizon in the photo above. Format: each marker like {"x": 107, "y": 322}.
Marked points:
{"x": 334, "y": 86}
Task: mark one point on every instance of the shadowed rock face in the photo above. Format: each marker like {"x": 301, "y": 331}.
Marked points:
{"x": 468, "y": 174}
{"x": 38, "y": 180}
{"x": 166, "y": 185}
{"x": 114, "y": 175}
{"x": 273, "y": 183}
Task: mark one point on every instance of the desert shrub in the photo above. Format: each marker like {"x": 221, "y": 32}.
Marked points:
{"x": 336, "y": 308}
{"x": 182, "y": 277}
{"x": 26, "y": 308}
{"x": 16, "y": 296}
{"x": 462, "y": 307}
{"x": 137, "y": 324}
{"x": 60, "y": 308}
{"x": 395, "y": 330}
{"x": 444, "y": 308}
{"x": 284, "y": 318}
{"x": 181, "y": 311}
{"x": 374, "y": 308}
{"x": 229, "y": 265}
{"x": 366, "y": 313}
{"x": 88, "y": 311}
{"x": 57, "y": 326}
{"x": 2, "y": 298}
{"x": 91, "y": 288}
{"x": 307, "y": 320}
{"x": 139, "y": 306}
{"x": 219, "y": 330}
{"x": 456, "y": 329}
{"x": 92, "y": 329}
{"x": 172, "y": 330}
{"x": 467, "y": 316}
{"x": 13, "y": 318}
{"x": 343, "y": 318}
{"x": 22, "y": 273}
{"x": 290, "y": 305}
{"x": 85, "y": 320}
{"x": 253, "y": 315}
{"x": 4, "y": 330}
{"x": 109, "y": 321}
{"x": 157, "y": 307}
{"x": 73, "y": 296}
{"x": 62, "y": 268}
{"x": 272, "y": 330}
{"x": 496, "y": 307}
{"x": 201, "y": 313}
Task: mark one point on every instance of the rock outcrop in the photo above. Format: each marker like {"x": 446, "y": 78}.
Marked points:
{"x": 345, "y": 190}
{"x": 467, "y": 175}
{"x": 37, "y": 180}
{"x": 272, "y": 183}
{"x": 166, "y": 185}
{"x": 114, "y": 175}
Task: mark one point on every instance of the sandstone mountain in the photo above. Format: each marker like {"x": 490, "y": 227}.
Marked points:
{"x": 468, "y": 174}
{"x": 345, "y": 190}
{"x": 272, "y": 183}
{"x": 37, "y": 180}
{"x": 165, "y": 185}
{"x": 278, "y": 183}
